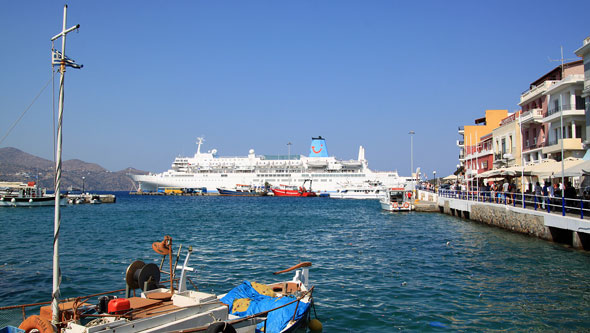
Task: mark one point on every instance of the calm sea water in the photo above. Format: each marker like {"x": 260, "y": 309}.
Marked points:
{"x": 373, "y": 270}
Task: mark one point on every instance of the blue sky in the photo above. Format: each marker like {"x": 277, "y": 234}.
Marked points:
{"x": 260, "y": 74}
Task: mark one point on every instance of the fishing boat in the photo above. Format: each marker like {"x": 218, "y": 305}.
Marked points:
{"x": 366, "y": 190}
{"x": 285, "y": 304}
{"x": 397, "y": 199}
{"x": 14, "y": 194}
{"x": 294, "y": 191}
{"x": 241, "y": 190}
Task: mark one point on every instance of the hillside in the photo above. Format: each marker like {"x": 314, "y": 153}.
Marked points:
{"x": 16, "y": 165}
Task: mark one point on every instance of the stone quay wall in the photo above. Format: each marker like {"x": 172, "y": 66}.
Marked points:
{"x": 568, "y": 230}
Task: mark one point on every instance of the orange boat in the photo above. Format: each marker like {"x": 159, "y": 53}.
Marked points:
{"x": 294, "y": 191}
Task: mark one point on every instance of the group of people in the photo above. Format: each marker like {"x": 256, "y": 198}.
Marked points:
{"x": 547, "y": 196}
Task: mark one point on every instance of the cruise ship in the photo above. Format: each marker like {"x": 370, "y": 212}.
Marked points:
{"x": 208, "y": 171}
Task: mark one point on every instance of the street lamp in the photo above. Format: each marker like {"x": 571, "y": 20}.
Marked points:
{"x": 411, "y": 152}
{"x": 83, "y": 178}
{"x": 434, "y": 178}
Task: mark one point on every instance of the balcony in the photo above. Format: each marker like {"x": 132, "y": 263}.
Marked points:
{"x": 535, "y": 92}
{"x": 533, "y": 115}
{"x": 533, "y": 145}
{"x": 460, "y": 143}
{"x": 554, "y": 146}
{"x": 568, "y": 110}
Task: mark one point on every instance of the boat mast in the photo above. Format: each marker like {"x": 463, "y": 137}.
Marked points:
{"x": 62, "y": 61}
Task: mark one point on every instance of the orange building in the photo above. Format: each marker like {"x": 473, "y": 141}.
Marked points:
{"x": 472, "y": 135}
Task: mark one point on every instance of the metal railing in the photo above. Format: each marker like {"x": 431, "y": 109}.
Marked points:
{"x": 551, "y": 204}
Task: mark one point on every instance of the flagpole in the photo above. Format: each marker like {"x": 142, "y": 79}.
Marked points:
{"x": 521, "y": 158}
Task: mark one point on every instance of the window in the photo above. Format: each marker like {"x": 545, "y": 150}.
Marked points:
{"x": 534, "y": 136}
{"x": 503, "y": 146}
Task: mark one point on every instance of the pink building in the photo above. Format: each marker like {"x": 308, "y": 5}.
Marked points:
{"x": 536, "y": 113}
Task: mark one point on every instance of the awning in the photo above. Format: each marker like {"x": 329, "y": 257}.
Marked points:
{"x": 576, "y": 170}
{"x": 550, "y": 168}
{"x": 450, "y": 177}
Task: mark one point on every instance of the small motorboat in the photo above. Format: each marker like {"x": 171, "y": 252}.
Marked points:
{"x": 397, "y": 199}
{"x": 286, "y": 304}
{"x": 241, "y": 190}
{"x": 366, "y": 190}
{"x": 26, "y": 195}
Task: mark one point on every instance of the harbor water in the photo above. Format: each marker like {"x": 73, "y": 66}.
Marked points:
{"x": 373, "y": 271}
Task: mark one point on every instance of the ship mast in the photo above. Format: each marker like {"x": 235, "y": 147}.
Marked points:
{"x": 199, "y": 143}
{"x": 59, "y": 59}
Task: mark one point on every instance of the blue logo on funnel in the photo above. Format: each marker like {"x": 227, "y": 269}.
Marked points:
{"x": 318, "y": 147}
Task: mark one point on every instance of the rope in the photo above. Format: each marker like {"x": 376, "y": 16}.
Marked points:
{"x": 27, "y": 109}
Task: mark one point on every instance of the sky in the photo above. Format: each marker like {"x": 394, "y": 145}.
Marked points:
{"x": 260, "y": 74}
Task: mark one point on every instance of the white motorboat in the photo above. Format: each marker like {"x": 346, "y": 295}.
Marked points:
{"x": 397, "y": 199}
{"x": 14, "y": 194}
{"x": 366, "y": 190}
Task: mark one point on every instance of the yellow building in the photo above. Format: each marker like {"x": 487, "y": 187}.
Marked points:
{"x": 472, "y": 134}
{"x": 507, "y": 142}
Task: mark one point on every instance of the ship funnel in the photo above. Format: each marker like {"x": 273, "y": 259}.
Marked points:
{"x": 318, "y": 147}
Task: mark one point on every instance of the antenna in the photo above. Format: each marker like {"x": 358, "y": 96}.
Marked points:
{"x": 562, "y": 59}
{"x": 200, "y": 141}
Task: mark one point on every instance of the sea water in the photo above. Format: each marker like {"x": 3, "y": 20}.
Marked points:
{"x": 372, "y": 270}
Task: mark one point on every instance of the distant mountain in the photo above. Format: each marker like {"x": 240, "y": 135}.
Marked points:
{"x": 16, "y": 165}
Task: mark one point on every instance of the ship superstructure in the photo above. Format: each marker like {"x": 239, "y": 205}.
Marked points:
{"x": 207, "y": 170}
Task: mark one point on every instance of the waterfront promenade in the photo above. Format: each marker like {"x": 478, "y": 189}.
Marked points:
{"x": 560, "y": 220}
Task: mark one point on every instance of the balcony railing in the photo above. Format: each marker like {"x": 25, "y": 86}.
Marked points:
{"x": 566, "y": 107}
{"x": 534, "y": 145}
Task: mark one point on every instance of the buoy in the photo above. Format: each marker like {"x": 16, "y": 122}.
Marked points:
{"x": 315, "y": 325}
{"x": 38, "y": 324}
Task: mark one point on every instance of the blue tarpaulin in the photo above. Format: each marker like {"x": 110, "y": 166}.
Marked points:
{"x": 276, "y": 320}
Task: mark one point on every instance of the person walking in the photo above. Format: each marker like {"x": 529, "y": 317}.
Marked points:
{"x": 545, "y": 194}
{"x": 571, "y": 195}
{"x": 538, "y": 194}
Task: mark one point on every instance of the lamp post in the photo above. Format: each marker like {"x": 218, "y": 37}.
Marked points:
{"x": 411, "y": 152}
{"x": 434, "y": 179}
{"x": 83, "y": 178}
{"x": 562, "y": 175}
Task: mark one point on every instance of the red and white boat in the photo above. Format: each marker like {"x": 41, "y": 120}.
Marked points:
{"x": 397, "y": 199}
{"x": 294, "y": 191}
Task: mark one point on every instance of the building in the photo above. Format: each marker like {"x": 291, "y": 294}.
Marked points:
{"x": 485, "y": 153}
{"x": 470, "y": 144}
{"x": 584, "y": 52}
{"x": 507, "y": 142}
{"x": 541, "y": 113}
{"x": 565, "y": 118}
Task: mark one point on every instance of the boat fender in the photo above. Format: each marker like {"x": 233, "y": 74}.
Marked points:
{"x": 37, "y": 323}
{"x": 315, "y": 325}
{"x": 220, "y": 327}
